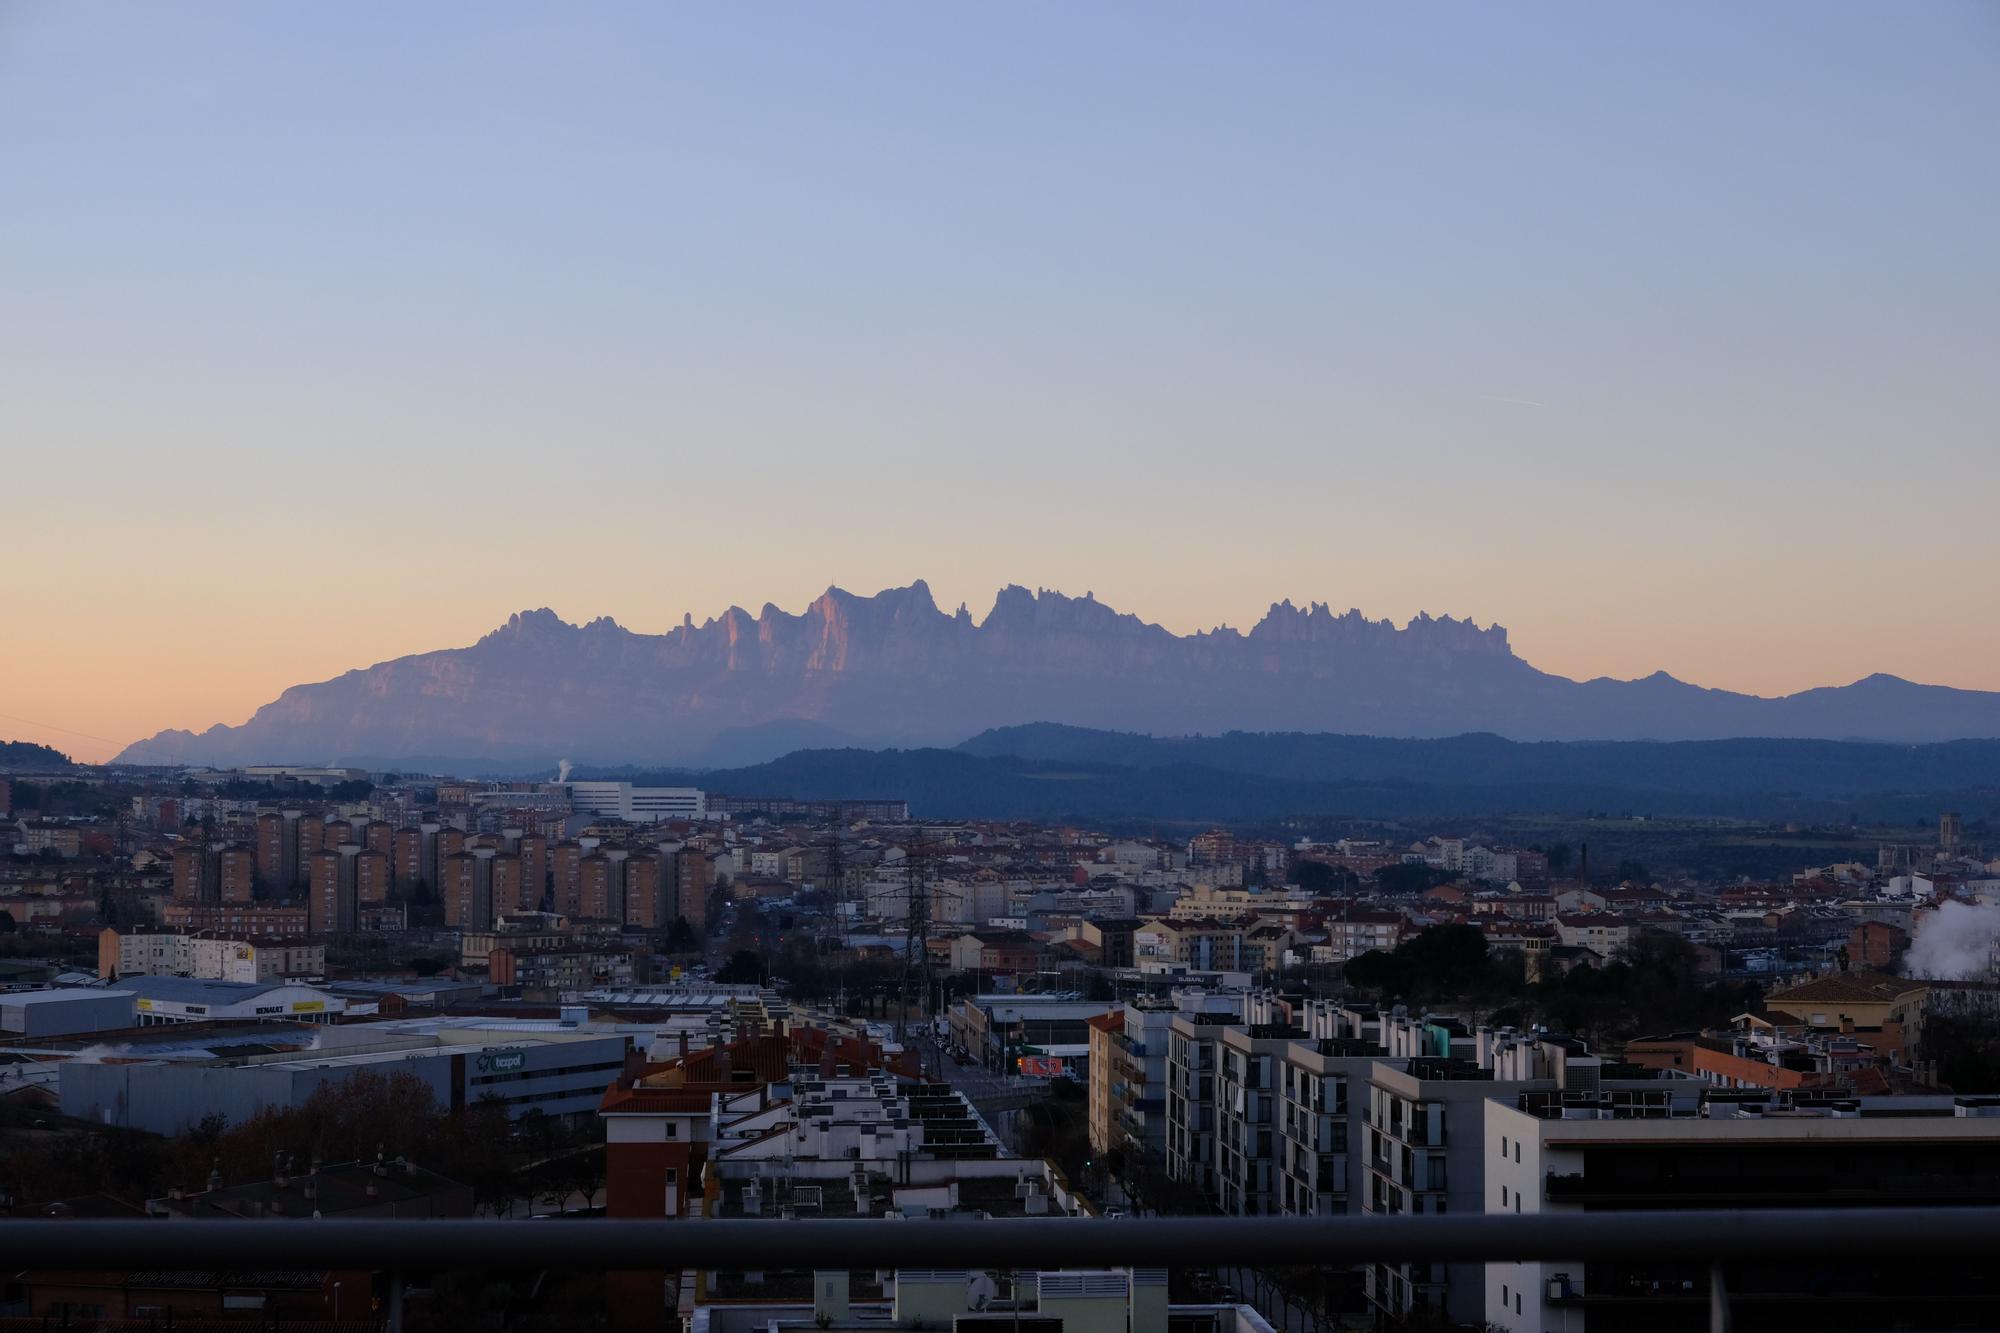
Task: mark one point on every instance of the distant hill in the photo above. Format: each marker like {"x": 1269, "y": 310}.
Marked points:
{"x": 1064, "y": 772}
{"x": 28, "y": 757}
{"x": 1818, "y": 769}
{"x": 896, "y": 670}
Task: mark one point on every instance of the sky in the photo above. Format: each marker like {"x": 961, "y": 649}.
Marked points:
{"x": 1664, "y": 335}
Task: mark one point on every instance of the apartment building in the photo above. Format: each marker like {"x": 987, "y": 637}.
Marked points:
{"x": 1100, "y": 1105}
{"x": 205, "y": 956}
{"x": 1249, "y": 1061}
{"x": 1359, "y": 930}
{"x": 1686, "y": 1146}
{"x": 1322, "y": 1103}
{"x": 253, "y": 920}
{"x": 1426, "y": 1137}
{"x": 551, "y": 973}
{"x": 1193, "y": 1041}
{"x": 332, "y": 898}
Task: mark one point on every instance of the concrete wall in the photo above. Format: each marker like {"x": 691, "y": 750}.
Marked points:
{"x": 75, "y": 1011}
{"x": 167, "y": 1097}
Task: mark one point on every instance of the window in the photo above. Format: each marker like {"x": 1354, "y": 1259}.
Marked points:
{"x": 1503, "y": 1196}
{"x": 1517, "y": 1150}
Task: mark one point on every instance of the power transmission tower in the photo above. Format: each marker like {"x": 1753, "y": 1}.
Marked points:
{"x": 916, "y": 932}
{"x": 836, "y": 876}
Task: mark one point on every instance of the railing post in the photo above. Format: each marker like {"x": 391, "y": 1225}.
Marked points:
{"x": 395, "y": 1323}
{"x": 1718, "y": 1300}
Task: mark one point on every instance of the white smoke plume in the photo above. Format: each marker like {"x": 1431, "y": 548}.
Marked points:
{"x": 563, "y": 766}
{"x": 1955, "y": 942}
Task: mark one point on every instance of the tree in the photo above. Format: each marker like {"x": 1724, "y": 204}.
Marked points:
{"x": 1559, "y": 855}
{"x": 1443, "y": 962}
{"x": 1632, "y": 872}
{"x": 1377, "y": 970}
{"x": 1410, "y": 879}
{"x": 6, "y": 922}
{"x": 1446, "y": 961}
{"x": 1319, "y": 878}
{"x": 744, "y": 968}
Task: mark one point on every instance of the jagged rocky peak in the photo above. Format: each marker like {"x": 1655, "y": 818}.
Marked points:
{"x": 1017, "y": 610}
{"x": 1316, "y": 623}
{"x": 539, "y": 686}
{"x": 538, "y": 625}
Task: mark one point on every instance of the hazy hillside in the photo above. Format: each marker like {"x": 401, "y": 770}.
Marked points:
{"x": 1804, "y": 781}
{"x": 26, "y": 756}
{"x": 896, "y": 670}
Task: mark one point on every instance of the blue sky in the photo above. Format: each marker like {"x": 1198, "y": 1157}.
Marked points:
{"x": 1663, "y": 335}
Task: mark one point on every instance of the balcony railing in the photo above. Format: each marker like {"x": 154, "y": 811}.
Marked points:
{"x": 1966, "y": 1189}
{"x": 1747, "y": 1236}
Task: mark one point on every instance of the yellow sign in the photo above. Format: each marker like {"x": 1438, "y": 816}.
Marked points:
{"x": 145, "y": 1004}
{"x": 308, "y": 1006}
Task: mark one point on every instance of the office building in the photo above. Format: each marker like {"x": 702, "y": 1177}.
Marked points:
{"x": 636, "y": 805}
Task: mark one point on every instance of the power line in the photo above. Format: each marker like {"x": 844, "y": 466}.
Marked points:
{"x": 67, "y": 731}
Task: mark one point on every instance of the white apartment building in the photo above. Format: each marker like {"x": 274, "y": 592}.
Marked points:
{"x": 206, "y": 957}
{"x": 1686, "y": 1146}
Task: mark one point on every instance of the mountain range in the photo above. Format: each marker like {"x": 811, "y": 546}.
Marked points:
{"x": 1054, "y": 772}
{"x": 895, "y": 670}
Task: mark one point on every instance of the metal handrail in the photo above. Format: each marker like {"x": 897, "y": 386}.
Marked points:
{"x": 1273, "y": 1242}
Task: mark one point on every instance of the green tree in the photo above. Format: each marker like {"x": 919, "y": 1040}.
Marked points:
{"x": 1408, "y": 880}
{"x": 1319, "y": 878}
{"x": 1378, "y": 971}
{"x": 744, "y": 968}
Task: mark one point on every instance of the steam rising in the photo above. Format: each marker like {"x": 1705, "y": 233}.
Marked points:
{"x": 563, "y": 766}
{"x": 1955, "y": 943}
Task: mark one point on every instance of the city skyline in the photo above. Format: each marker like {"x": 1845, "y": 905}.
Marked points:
{"x": 322, "y": 349}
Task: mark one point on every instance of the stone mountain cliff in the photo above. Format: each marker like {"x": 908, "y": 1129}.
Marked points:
{"x": 895, "y": 669}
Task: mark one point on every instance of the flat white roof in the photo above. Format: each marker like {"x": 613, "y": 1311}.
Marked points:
{"x": 64, "y": 994}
